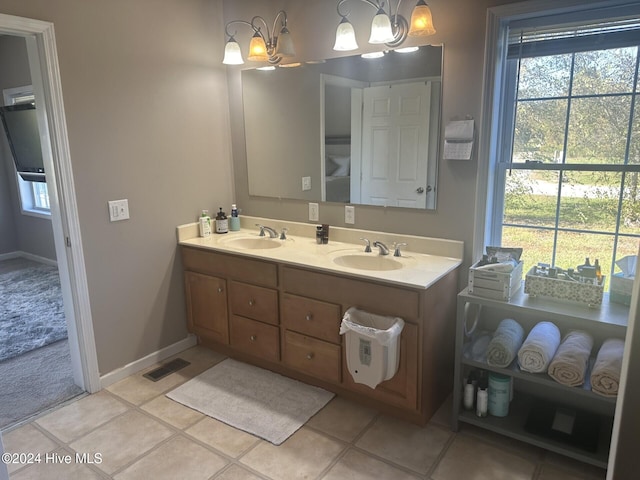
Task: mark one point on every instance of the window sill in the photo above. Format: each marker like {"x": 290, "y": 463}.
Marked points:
{"x": 38, "y": 213}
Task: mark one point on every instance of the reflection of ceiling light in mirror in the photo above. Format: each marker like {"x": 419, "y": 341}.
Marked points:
{"x": 268, "y": 68}
{"x": 372, "y": 55}
{"x": 315, "y": 62}
{"x": 407, "y": 49}
{"x": 290, "y": 65}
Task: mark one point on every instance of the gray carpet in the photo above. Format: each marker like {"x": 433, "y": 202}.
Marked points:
{"x": 34, "y": 382}
{"x": 31, "y": 311}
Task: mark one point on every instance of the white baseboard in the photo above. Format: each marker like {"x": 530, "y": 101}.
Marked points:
{"x": 28, "y": 256}
{"x": 145, "y": 362}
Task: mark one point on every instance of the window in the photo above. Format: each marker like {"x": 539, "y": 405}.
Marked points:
{"x": 34, "y": 196}
{"x": 566, "y": 180}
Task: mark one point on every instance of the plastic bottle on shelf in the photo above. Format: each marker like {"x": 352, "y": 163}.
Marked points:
{"x": 469, "y": 394}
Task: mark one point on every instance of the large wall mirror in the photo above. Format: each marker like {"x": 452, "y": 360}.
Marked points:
{"x": 349, "y": 130}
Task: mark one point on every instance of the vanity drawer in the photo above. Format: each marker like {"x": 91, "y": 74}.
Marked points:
{"x": 373, "y": 297}
{"x": 254, "y": 302}
{"x": 230, "y": 266}
{"x": 255, "y": 338}
{"x": 312, "y": 317}
{"x": 312, "y": 356}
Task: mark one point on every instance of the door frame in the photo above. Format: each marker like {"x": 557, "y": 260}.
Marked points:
{"x": 45, "y": 77}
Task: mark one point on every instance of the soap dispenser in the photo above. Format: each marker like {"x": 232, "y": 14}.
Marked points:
{"x": 222, "y": 223}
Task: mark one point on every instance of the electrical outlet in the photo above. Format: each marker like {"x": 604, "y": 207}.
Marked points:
{"x": 349, "y": 215}
{"x": 314, "y": 213}
{"x": 306, "y": 183}
{"x": 118, "y": 210}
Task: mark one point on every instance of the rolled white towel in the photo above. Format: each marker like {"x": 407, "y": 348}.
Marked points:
{"x": 505, "y": 343}
{"x": 538, "y": 349}
{"x": 569, "y": 365}
{"x": 605, "y": 376}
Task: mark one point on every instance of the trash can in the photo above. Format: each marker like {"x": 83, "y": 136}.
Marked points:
{"x": 372, "y": 348}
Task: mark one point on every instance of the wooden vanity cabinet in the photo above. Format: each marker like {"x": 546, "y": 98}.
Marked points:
{"x": 287, "y": 319}
{"x": 206, "y": 298}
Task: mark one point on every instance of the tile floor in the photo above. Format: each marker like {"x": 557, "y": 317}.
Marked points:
{"x": 140, "y": 433}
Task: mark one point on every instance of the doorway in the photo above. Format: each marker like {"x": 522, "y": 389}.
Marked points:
{"x": 45, "y": 76}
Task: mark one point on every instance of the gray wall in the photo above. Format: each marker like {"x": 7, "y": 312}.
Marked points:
{"x": 18, "y": 232}
{"x": 147, "y": 114}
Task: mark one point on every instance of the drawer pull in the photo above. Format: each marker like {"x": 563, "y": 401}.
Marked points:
{"x": 308, "y": 317}
{"x": 220, "y": 290}
{"x": 310, "y": 356}
{"x": 253, "y": 338}
{"x": 252, "y": 303}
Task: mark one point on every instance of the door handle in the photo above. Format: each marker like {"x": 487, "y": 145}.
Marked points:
{"x": 419, "y": 190}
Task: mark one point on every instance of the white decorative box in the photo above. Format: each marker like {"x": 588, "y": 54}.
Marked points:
{"x": 566, "y": 290}
{"x": 496, "y": 285}
{"x": 621, "y": 287}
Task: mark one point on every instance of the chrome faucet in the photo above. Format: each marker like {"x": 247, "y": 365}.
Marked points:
{"x": 384, "y": 250}
{"x": 283, "y": 234}
{"x": 367, "y": 244}
{"x": 396, "y": 252}
{"x": 272, "y": 232}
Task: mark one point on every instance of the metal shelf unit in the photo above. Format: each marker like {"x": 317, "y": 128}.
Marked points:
{"x": 609, "y": 320}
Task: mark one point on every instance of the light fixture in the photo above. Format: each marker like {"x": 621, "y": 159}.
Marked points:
{"x": 386, "y": 28}
{"x": 269, "y": 46}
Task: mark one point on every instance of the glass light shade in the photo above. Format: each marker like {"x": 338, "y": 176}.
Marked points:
{"x": 232, "y": 53}
{"x": 257, "y": 49}
{"x": 284, "y": 47}
{"x": 345, "y": 37}
{"x": 421, "y": 21}
{"x": 381, "y": 31}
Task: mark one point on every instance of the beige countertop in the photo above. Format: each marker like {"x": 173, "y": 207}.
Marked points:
{"x": 423, "y": 262}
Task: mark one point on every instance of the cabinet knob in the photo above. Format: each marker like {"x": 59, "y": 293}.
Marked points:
{"x": 308, "y": 317}
{"x": 220, "y": 290}
{"x": 252, "y": 303}
{"x": 310, "y": 356}
{"x": 253, "y": 338}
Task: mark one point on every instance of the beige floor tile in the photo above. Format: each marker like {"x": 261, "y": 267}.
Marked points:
{"x": 304, "y": 455}
{"x": 28, "y": 440}
{"x": 443, "y": 415}
{"x": 358, "y": 466}
{"x": 172, "y": 412}
{"x": 471, "y": 459}
{"x": 177, "y": 458}
{"x": 60, "y": 469}
{"x": 122, "y": 440}
{"x": 235, "y": 472}
{"x": 552, "y": 473}
{"x": 76, "y": 419}
{"x": 526, "y": 450}
{"x": 221, "y": 436}
{"x": 200, "y": 358}
{"x": 574, "y": 467}
{"x": 342, "y": 418}
{"x": 403, "y": 443}
{"x": 136, "y": 389}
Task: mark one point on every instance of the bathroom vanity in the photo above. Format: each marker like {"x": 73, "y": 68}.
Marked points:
{"x": 278, "y": 304}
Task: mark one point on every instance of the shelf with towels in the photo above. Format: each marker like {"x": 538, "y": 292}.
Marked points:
{"x": 607, "y": 321}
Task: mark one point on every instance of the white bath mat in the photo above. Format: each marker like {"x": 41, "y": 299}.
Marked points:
{"x": 252, "y": 399}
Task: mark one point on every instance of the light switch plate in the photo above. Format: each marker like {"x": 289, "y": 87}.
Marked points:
{"x": 314, "y": 213}
{"x": 306, "y": 183}
{"x": 349, "y": 214}
{"x": 118, "y": 210}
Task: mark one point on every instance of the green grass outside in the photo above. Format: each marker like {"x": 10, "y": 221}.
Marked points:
{"x": 587, "y": 214}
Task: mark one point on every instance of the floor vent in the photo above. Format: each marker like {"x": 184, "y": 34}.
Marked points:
{"x": 166, "y": 369}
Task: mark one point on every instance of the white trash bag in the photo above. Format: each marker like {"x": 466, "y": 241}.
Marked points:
{"x": 372, "y": 347}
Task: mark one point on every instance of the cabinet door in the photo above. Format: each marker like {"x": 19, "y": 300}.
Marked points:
{"x": 207, "y": 306}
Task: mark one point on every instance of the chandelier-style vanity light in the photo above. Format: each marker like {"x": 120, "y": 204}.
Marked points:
{"x": 267, "y": 46}
{"x": 386, "y": 28}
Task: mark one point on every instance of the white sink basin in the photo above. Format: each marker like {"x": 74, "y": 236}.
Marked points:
{"x": 367, "y": 261}
{"x": 254, "y": 243}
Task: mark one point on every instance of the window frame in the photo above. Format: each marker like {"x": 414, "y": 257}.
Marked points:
{"x": 29, "y": 204}
{"x": 499, "y": 101}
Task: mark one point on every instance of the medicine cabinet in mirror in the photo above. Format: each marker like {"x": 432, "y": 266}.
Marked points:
{"x": 349, "y": 129}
